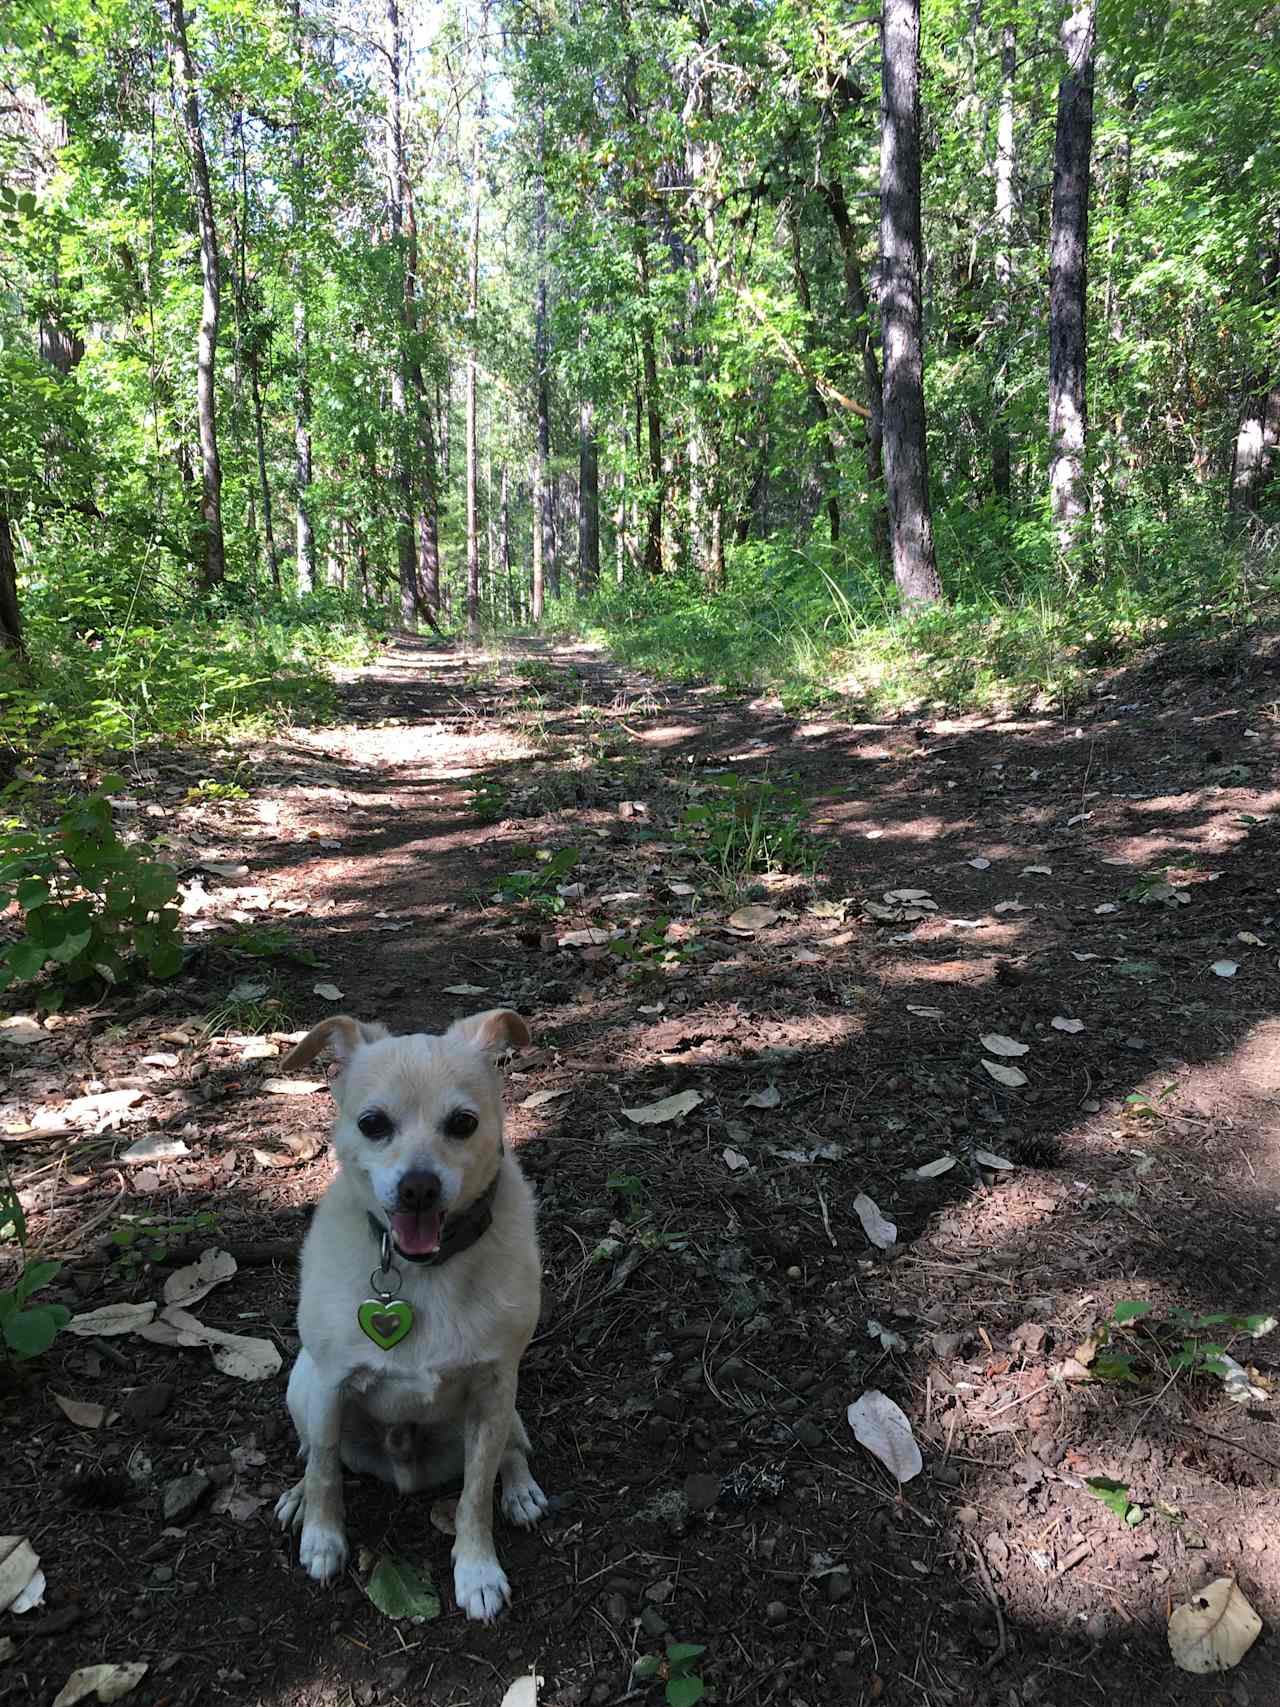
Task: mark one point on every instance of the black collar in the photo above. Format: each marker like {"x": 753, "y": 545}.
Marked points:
{"x": 460, "y": 1231}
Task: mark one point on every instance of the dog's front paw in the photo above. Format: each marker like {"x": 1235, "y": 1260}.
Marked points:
{"x": 291, "y": 1507}
{"x": 322, "y": 1551}
{"x": 523, "y": 1502}
{"x": 480, "y": 1587}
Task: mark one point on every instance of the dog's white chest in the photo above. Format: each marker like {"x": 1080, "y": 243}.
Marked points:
{"x": 411, "y": 1392}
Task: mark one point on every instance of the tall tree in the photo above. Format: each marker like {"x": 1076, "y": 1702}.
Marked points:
{"x": 1068, "y": 278}
{"x": 588, "y": 498}
{"x": 473, "y": 334}
{"x": 304, "y": 533}
{"x": 1001, "y": 448}
{"x": 406, "y": 548}
{"x": 544, "y": 498}
{"x": 906, "y": 465}
{"x": 215, "y": 556}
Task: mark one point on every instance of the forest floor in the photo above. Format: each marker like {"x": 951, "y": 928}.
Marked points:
{"x": 712, "y": 1303}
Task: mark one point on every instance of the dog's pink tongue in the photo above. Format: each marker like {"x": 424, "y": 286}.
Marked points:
{"x": 417, "y": 1235}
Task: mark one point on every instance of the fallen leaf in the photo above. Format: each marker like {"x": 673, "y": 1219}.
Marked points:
{"x": 238, "y": 1355}
{"x": 19, "y": 1573}
{"x": 112, "y": 1319}
{"x": 108, "y": 1682}
{"x": 330, "y": 992}
{"x": 1214, "y": 1630}
{"x": 524, "y": 1692}
{"x": 1080, "y": 818}
{"x": 931, "y": 1170}
{"x": 681, "y": 889}
{"x": 399, "y": 1590}
{"x": 1108, "y": 907}
{"x": 154, "y": 1149}
{"x": 770, "y": 1097}
{"x": 1037, "y": 871}
{"x": 1236, "y": 1384}
{"x": 84, "y": 1413}
{"x": 540, "y": 1098}
{"x": 444, "y": 1515}
{"x": 752, "y": 919}
{"x": 21, "y": 1030}
{"x": 966, "y": 924}
{"x": 190, "y": 1284}
{"x": 1077, "y": 956}
{"x": 592, "y": 937}
{"x": 734, "y": 1160}
{"x": 882, "y": 1427}
{"x": 224, "y": 868}
{"x": 1248, "y": 936}
{"x": 465, "y": 989}
{"x": 293, "y": 1087}
{"x": 236, "y": 1504}
{"x": 925, "y": 1013}
{"x": 886, "y": 1336}
{"x": 979, "y": 864}
{"x": 105, "y": 1103}
{"x": 996, "y": 1043}
{"x": 1011, "y": 1076}
{"x": 989, "y": 1159}
{"x": 165, "y": 1058}
{"x": 881, "y": 1232}
{"x": 1225, "y": 968}
{"x": 1060, "y": 1023}
{"x": 667, "y": 1109}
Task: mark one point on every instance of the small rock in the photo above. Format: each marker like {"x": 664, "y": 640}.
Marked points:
{"x": 701, "y": 1490}
{"x": 652, "y": 1622}
{"x": 183, "y": 1495}
{"x": 776, "y": 1612}
{"x": 147, "y": 1403}
{"x": 616, "y": 1609}
{"x": 162, "y": 1574}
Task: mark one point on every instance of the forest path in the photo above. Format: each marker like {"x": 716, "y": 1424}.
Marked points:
{"x": 712, "y": 1300}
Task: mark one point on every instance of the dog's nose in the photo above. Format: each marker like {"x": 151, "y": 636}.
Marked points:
{"x": 418, "y": 1191}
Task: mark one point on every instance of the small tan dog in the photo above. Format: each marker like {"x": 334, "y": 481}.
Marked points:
{"x": 408, "y": 1372}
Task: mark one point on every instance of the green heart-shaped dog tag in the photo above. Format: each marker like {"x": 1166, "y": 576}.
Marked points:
{"x": 385, "y": 1322}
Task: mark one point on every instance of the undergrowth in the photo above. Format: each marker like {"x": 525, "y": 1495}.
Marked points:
{"x": 106, "y": 674}
{"x": 818, "y": 628}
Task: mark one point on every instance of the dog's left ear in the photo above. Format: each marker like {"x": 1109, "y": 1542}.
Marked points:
{"x": 495, "y": 1032}
{"x": 339, "y": 1034}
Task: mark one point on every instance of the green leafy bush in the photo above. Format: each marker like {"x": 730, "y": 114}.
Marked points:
{"x": 90, "y": 903}
{"x": 28, "y": 1329}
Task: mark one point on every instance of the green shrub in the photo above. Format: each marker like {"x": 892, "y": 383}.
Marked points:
{"x": 90, "y": 903}
{"x": 27, "y": 1329}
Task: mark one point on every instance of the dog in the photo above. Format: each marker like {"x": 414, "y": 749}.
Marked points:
{"x": 408, "y": 1372}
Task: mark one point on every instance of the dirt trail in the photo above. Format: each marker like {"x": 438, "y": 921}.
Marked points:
{"x": 712, "y": 1303}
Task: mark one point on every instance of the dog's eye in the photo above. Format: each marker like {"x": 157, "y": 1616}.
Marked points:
{"x": 461, "y": 1123}
{"x": 375, "y": 1123}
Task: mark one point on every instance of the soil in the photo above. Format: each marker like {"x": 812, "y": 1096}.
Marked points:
{"x": 712, "y": 1303}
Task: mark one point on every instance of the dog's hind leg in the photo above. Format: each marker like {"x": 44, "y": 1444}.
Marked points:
{"x": 523, "y": 1501}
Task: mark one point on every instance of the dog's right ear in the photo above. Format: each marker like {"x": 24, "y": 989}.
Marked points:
{"x": 341, "y": 1036}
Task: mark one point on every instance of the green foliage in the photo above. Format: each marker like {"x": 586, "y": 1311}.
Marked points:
{"x": 536, "y": 886}
{"x": 1135, "y": 1343}
{"x": 270, "y": 942}
{"x": 744, "y": 827}
{"x": 28, "y": 1329}
{"x": 146, "y": 1239}
{"x": 675, "y": 1670}
{"x": 90, "y": 902}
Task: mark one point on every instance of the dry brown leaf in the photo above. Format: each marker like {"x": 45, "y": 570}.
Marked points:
{"x": 996, "y": 1043}
{"x": 84, "y": 1413}
{"x": 667, "y": 1109}
{"x": 1003, "y": 1075}
{"x": 1214, "y": 1630}
{"x": 189, "y": 1285}
{"x": 293, "y": 1087}
{"x": 756, "y": 917}
{"x": 112, "y": 1319}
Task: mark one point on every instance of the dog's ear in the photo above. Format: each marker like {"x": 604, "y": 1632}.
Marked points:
{"x": 497, "y": 1030}
{"x": 341, "y": 1035}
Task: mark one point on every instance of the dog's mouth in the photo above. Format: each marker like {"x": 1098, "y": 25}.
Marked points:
{"x": 417, "y": 1235}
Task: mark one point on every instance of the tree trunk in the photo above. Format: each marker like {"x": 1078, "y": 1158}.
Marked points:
{"x": 1001, "y": 446}
{"x": 473, "y": 330}
{"x": 305, "y": 545}
{"x": 858, "y": 310}
{"x": 537, "y": 586}
{"x": 264, "y": 483}
{"x": 819, "y": 414}
{"x": 588, "y": 498}
{"x": 305, "y": 548}
{"x": 915, "y": 568}
{"x": 10, "y": 611}
{"x": 544, "y": 519}
{"x": 504, "y": 545}
{"x": 1068, "y": 255}
{"x": 406, "y": 547}
{"x": 214, "y": 569}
